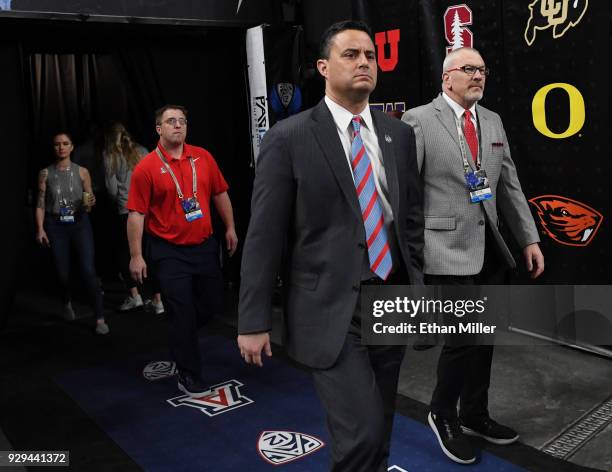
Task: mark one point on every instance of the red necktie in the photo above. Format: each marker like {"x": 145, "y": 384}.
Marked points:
{"x": 469, "y": 131}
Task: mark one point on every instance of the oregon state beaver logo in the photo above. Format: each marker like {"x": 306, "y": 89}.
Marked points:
{"x": 567, "y": 221}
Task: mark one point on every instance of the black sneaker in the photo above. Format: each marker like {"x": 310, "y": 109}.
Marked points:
{"x": 489, "y": 430}
{"x": 452, "y": 441}
{"x": 193, "y": 387}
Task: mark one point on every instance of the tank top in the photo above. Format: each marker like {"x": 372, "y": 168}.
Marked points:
{"x": 63, "y": 184}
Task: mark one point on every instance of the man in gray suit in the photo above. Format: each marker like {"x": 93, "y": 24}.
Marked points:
{"x": 338, "y": 186}
{"x": 468, "y": 174}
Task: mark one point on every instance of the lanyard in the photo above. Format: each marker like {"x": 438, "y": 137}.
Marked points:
{"x": 194, "y": 179}
{"x": 462, "y": 145}
{"x": 60, "y": 194}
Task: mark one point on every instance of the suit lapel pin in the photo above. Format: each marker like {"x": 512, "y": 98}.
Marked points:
{"x": 388, "y": 138}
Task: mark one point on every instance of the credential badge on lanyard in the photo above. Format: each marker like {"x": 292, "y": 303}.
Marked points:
{"x": 190, "y": 206}
{"x": 477, "y": 181}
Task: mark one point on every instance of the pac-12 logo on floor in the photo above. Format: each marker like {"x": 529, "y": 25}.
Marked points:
{"x": 280, "y": 447}
{"x": 157, "y": 370}
{"x": 219, "y": 399}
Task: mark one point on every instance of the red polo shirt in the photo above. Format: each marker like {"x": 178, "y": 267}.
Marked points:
{"x": 153, "y": 193}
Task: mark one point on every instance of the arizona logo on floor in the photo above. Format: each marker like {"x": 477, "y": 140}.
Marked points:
{"x": 280, "y": 447}
{"x": 158, "y": 370}
{"x": 219, "y": 399}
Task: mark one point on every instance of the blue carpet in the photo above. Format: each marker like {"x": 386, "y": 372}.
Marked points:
{"x": 274, "y": 407}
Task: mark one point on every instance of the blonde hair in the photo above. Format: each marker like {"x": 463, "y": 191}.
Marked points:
{"x": 119, "y": 144}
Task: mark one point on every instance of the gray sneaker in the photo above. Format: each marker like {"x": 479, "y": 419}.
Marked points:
{"x": 68, "y": 313}
{"x": 102, "y": 328}
{"x": 130, "y": 303}
{"x": 158, "y": 308}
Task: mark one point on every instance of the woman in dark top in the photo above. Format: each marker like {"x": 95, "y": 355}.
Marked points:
{"x": 64, "y": 198}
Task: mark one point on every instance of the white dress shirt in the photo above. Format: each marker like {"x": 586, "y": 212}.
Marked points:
{"x": 458, "y": 109}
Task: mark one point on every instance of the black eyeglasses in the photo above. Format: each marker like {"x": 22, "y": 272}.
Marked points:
{"x": 471, "y": 70}
{"x": 174, "y": 121}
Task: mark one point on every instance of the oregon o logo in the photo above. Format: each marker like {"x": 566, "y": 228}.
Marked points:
{"x": 577, "y": 110}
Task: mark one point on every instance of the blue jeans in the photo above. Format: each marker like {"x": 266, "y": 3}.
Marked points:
{"x": 80, "y": 236}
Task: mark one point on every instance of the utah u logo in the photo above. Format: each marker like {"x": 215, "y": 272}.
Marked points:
{"x": 391, "y": 37}
{"x": 456, "y": 18}
{"x": 560, "y": 14}
{"x": 219, "y": 399}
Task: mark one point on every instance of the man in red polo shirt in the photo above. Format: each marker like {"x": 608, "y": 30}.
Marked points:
{"x": 170, "y": 195}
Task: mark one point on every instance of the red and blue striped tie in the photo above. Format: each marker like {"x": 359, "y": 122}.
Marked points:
{"x": 371, "y": 209}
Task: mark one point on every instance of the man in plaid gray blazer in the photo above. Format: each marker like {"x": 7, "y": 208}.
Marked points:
{"x": 456, "y": 138}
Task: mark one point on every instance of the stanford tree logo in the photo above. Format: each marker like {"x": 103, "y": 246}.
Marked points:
{"x": 456, "y": 18}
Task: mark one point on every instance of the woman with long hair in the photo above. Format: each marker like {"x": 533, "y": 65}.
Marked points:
{"x": 121, "y": 154}
{"x": 64, "y": 198}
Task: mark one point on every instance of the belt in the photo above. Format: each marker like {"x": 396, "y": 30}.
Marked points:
{"x": 398, "y": 277}
{"x": 374, "y": 281}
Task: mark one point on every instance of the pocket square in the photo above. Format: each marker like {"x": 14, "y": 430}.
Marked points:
{"x": 497, "y": 144}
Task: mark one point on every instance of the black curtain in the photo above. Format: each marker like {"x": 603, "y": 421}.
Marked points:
{"x": 13, "y": 188}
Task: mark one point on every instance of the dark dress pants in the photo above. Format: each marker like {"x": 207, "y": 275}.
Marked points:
{"x": 464, "y": 371}
{"x": 186, "y": 275}
{"x": 358, "y": 394}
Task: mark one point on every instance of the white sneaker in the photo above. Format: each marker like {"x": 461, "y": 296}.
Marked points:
{"x": 130, "y": 303}
{"x": 102, "y": 328}
{"x": 68, "y": 313}
{"x": 158, "y": 307}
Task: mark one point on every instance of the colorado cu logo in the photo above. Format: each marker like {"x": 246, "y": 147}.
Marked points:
{"x": 567, "y": 221}
{"x": 280, "y": 447}
{"x": 219, "y": 399}
{"x": 561, "y": 15}
{"x": 456, "y": 18}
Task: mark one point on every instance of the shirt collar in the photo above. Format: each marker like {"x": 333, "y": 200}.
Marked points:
{"x": 458, "y": 109}
{"x": 343, "y": 117}
{"x": 168, "y": 157}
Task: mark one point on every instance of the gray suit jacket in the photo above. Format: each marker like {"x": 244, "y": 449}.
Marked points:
{"x": 304, "y": 199}
{"x": 455, "y": 227}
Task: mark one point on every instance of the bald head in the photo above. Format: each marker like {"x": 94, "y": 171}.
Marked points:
{"x": 454, "y": 57}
